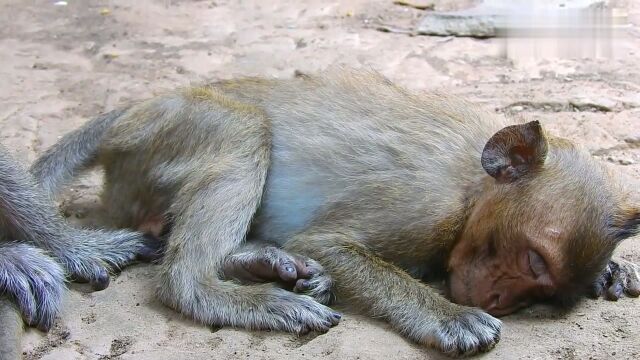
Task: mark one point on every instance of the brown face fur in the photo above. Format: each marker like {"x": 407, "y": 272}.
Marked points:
{"x": 541, "y": 229}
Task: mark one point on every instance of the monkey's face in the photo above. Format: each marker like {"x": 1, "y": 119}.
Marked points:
{"x": 543, "y": 227}
{"x": 503, "y": 271}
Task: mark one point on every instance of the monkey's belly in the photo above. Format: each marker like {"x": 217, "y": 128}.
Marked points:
{"x": 290, "y": 200}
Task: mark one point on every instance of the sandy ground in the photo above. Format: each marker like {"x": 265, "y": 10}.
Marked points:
{"x": 60, "y": 65}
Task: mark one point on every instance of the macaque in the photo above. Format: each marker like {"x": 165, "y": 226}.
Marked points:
{"x": 379, "y": 185}
{"x": 38, "y": 250}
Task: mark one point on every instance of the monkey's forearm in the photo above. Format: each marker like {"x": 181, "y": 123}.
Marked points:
{"x": 384, "y": 290}
{"x": 25, "y": 212}
{"x": 11, "y": 329}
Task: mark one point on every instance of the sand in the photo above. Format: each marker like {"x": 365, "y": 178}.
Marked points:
{"x": 60, "y": 65}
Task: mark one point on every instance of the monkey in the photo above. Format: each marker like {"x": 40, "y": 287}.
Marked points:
{"x": 38, "y": 249}
{"x": 379, "y": 185}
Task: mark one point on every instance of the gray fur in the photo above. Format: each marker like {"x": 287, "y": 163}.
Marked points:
{"x": 38, "y": 249}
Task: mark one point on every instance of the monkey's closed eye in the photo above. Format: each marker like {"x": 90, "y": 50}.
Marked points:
{"x": 537, "y": 264}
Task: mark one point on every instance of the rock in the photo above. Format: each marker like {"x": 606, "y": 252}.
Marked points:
{"x": 491, "y": 18}
{"x": 458, "y": 24}
{"x": 587, "y": 104}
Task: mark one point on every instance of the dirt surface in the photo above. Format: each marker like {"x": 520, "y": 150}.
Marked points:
{"x": 60, "y": 65}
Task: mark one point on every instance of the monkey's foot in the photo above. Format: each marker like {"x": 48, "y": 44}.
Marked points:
{"x": 97, "y": 252}
{"x": 468, "y": 332}
{"x": 620, "y": 276}
{"x": 34, "y": 281}
{"x": 271, "y": 263}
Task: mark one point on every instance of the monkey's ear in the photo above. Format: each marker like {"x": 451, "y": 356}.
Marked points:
{"x": 514, "y": 151}
{"x": 626, "y": 224}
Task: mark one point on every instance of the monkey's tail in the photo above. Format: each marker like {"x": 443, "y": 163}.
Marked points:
{"x": 76, "y": 151}
{"x": 11, "y": 329}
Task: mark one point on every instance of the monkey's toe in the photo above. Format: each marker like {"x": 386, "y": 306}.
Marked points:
{"x": 35, "y": 282}
{"x": 286, "y": 269}
{"x": 302, "y": 285}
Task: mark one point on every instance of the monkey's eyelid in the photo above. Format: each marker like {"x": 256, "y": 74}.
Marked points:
{"x": 537, "y": 264}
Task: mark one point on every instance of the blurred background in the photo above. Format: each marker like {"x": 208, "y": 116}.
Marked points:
{"x": 574, "y": 65}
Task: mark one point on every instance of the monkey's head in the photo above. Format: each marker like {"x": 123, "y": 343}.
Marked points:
{"x": 543, "y": 227}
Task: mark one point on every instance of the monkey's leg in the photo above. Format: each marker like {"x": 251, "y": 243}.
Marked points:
{"x": 262, "y": 262}
{"x": 11, "y": 329}
{"x": 27, "y": 213}
{"x": 191, "y": 270}
{"x": 386, "y": 291}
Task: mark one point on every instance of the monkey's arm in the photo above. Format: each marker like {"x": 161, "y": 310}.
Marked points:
{"x": 26, "y": 213}
{"x": 384, "y": 290}
{"x": 620, "y": 276}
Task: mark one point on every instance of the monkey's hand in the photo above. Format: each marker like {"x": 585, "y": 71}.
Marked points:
{"x": 619, "y": 276}
{"x": 461, "y": 332}
{"x": 91, "y": 254}
{"x": 270, "y": 263}
{"x": 34, "y": 281}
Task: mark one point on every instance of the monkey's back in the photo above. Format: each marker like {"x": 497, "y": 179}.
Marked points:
{"x": 332, "y": 136}
{"x": 350, "y": 131}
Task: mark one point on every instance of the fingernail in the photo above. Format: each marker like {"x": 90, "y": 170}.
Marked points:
{"x": 306, "y": 284}
{"x": 337, "y": 316}
{"x": 289, "y": 269}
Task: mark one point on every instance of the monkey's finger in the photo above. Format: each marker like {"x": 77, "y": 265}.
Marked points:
{"x": 98, "y": 279}
{"x": 307, "y": 268}
{"x": 335, "y": 319}
{"x": 615, "y": 290}
{"x": 597, "y": 289}
{"x": 632, "y": 286}
{"x": 302, "y": 285}
{"x": 602, "y": 283}
{"x": 101, "y": 280}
